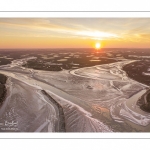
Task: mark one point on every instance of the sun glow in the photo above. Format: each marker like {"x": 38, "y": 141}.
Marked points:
{"x": 97, "y": 45}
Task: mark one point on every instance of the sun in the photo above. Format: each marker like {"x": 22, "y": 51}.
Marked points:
{"x": 97, "y": 45}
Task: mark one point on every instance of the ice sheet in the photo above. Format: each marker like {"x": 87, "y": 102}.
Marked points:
{"x": 105, "y": 86}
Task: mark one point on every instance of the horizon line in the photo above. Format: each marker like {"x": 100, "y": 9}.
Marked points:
{"x": 74, "y": 48}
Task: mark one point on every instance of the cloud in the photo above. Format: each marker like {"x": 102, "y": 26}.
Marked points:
{"x": 50, "y": 28}
{"x": 121, "y": 29}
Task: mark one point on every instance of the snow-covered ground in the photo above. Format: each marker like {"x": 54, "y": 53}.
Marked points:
{"x": 27, "y": 107}
{"x": 94, "y": 99}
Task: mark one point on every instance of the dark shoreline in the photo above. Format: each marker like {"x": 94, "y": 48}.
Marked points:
{"x": 61, "y": 121}
{"x": 144, "y": 102}
{"x": 3, "y": 91}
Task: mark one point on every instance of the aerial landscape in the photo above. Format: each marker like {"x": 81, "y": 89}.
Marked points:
{"x": 74, "y": 75}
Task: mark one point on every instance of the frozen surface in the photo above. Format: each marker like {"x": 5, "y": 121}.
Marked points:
{"x": 27, "y": 109}
{"x": 94, "y": 99}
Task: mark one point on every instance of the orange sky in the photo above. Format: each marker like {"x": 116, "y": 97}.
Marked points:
{"x": 74, "y": 32}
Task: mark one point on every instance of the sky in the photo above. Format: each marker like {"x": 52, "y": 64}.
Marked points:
{"x": 22, "y": 33}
